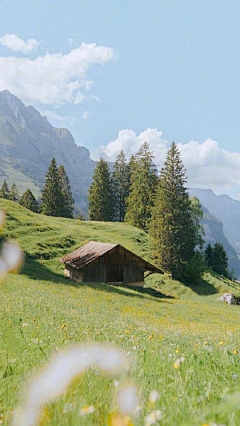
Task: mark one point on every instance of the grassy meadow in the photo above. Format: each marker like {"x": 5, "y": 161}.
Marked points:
{"x": 182, "y": 341}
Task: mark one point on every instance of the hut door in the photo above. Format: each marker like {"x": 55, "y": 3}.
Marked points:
{"x": 114, "y": 273}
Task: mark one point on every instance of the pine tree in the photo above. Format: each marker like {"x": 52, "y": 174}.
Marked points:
{"x": 28, "y": 201}
{"x": 13, "y": 193}
{"x": 172, "y": 226}
{"x": 101, "y": 197}
{"x": 52, "y": 198}
{"x": 142, "y": 189}
{"x": 67, "y": 206}
{"x": 197, "y": 215}
{"x": 4, "y": 192}
{"x": 219, "y": 260}
{"x": 121, "y": 183}
{"x": 208, "y": 254}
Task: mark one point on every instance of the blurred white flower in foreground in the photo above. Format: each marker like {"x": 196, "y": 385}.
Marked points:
{"x": 128, "y": 400}
{"x": 2, "y": 216}
{"x": 153, "y": 417}
{"x": 11, "y": 256}
{"x": 88, "y": 409}
{"x": 59, "y": 373}
{"x": 153, "y": 397}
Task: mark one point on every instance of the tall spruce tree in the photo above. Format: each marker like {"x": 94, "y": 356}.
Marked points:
{"x": 4, "y": 191}
{"x": 52, "y": 198}
{"x": 172, "y": 227}
{"x": 121, "y": 184}
{"x": 13, "y": 193}
{"x": 143, "y": 180}
{"x": 101, "y": 197}
{"x": 67, "y": 206}
{"x": 28, "y": 201}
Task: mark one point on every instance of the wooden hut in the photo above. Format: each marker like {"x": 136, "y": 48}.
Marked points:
{"x": 108, "y": 263}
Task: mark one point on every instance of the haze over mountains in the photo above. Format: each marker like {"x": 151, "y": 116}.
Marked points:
{"x": 28, "y": 142}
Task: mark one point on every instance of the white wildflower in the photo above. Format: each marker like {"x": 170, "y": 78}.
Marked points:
{"x": 68, "y": 407}
{"x": 128, "y": 400}
{"x": 153, "y": 417}
{"x": 153, "y": 397}
{"x": 12, "y": 256}
{"x": 87, "y": 409}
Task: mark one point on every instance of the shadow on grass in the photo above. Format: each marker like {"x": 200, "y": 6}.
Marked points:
{"x": 151, "y": 292}
{"x": 36, "y": 270}
{"x": 202, "y": 288}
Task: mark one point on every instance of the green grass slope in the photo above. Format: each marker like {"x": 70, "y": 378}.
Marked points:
{"x": 43, "y": 312}
{"x": 12, "y": 175}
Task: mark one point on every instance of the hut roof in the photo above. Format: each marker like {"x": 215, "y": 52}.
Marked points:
{"x": 92, "y": 250}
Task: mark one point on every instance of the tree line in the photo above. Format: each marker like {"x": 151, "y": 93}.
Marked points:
{"x": 56, "y": 199}
{"x": 158, "y": 204}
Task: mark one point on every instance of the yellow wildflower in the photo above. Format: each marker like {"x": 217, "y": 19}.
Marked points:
{"x": 87, "y": 409}
{"x": 117, "y": 419}
{"x": 63, "y": 326}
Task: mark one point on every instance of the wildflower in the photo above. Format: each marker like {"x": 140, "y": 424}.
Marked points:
{"x": 87, "y": 409}
{"x": 67, "y": 408}
{"x": 127, "y": 400}
{"x": 153, "y": 397}
{"x": 153, "y": 417}
{"x": 221, "y": 343}
{"x": 178, "y": 362}
{"x": 63, "y": 326}
{"x": 235, "y": 352}
{"x": 11, "y": 258}
{"x": 177, "y": 351}
{"x": 117, "y": 419}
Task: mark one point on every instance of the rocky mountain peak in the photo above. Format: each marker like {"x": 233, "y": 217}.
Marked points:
{"x": 28, "y": 142}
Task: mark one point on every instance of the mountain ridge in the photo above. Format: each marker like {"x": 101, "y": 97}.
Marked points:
{"x": 28, "y": 142}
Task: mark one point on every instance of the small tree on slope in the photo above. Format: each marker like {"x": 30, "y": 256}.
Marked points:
{"x": 28, "y": 201}
{"x": 13, "y": 193}
{"x": 52, "y": 198}
{"x": 4, "y": 191}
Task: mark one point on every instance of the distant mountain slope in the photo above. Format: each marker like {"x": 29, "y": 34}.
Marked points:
{"x": 225, "y": 209}
{"x": 28, "y": 143}
{"x": 213, "y": 228}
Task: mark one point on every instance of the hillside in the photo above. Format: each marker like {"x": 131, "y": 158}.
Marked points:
{"x": 28, "y": 143}
{"x": 226, "y": 210}
{"x": 213, "y": 229}
{"x": 42, "y": 312}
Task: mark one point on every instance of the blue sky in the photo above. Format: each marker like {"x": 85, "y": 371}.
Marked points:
{"x": 155, "y": 64}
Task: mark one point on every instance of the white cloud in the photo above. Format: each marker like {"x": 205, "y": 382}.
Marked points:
{"x": 208, "y": 166}
{"x": 86, "y": 115}
{"x": 53, "y": 78}
{"x": 129, "y": 142}
{"x": 17, "y": 44}
{"x": 52, "y": 116}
